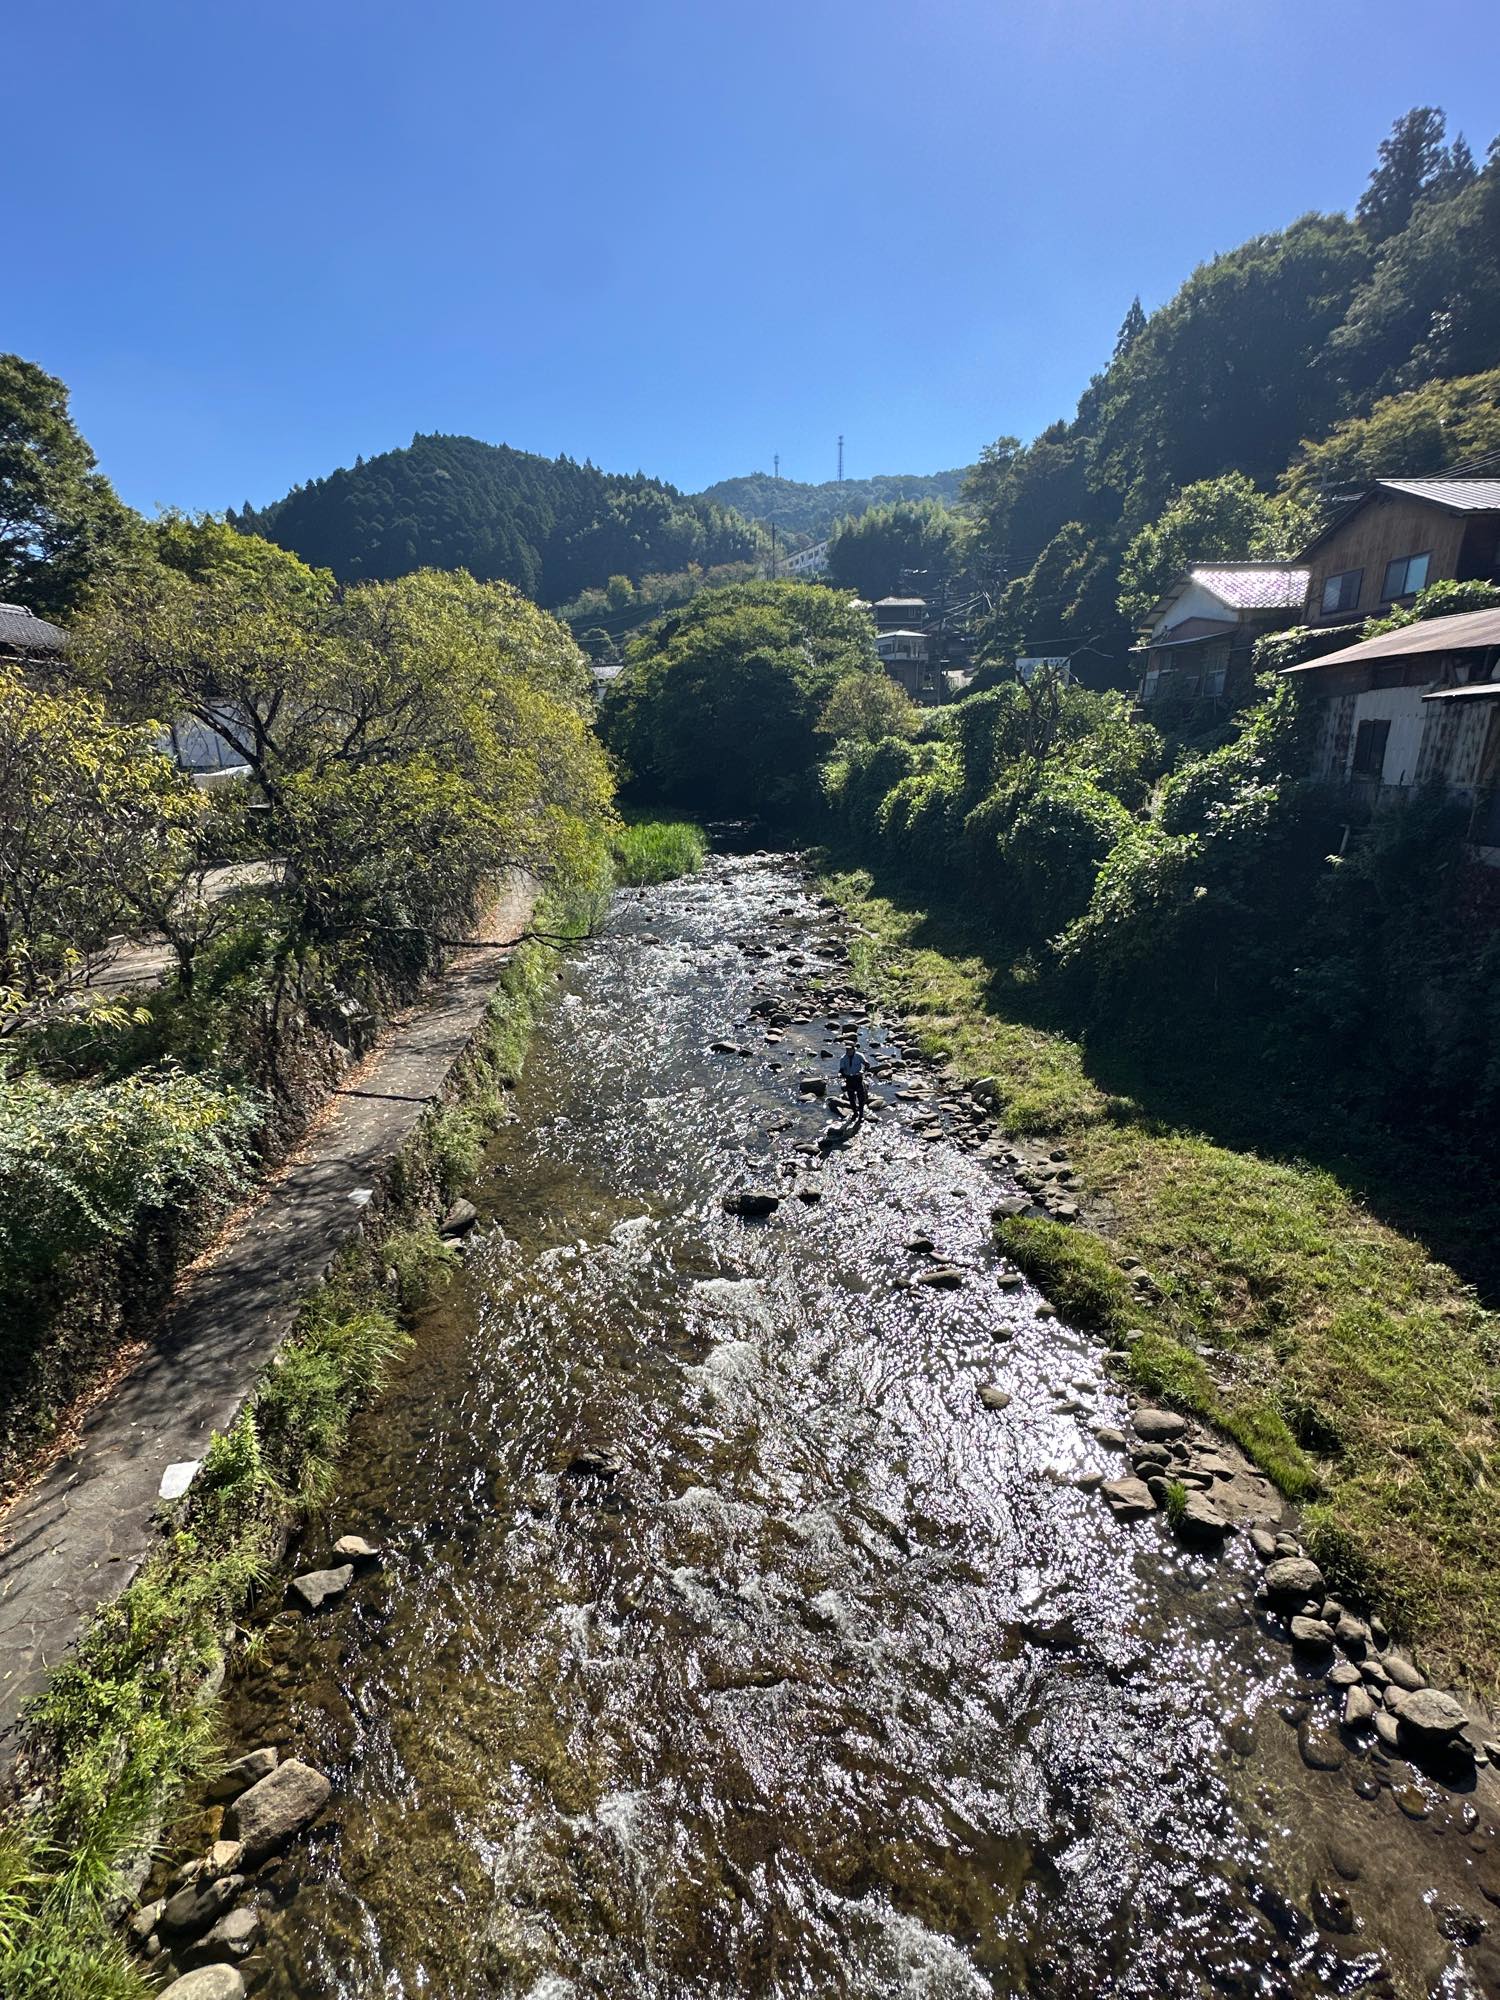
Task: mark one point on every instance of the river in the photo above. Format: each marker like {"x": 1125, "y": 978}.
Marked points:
{"x": 728, "y": 1645}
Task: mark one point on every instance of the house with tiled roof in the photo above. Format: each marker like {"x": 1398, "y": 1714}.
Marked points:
{"x": 24, "y": 636}
{"x": 1399, "y": 536}
{"x": 1199, "y": 637}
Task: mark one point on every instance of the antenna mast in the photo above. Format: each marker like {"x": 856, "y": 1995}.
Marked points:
{"x": 841, "y": 458}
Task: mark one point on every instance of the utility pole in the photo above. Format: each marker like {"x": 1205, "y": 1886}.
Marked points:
{"x": 841, "y": 458}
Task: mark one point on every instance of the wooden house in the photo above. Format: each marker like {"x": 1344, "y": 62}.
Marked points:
{"x": 1397, "y": 538}
{"x": 1418, "y": 706}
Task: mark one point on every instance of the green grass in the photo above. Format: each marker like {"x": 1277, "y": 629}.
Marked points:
{"x": 1356, "y": 1369}
{"x": 649, "y": 850}
{"x": 122, "y": 1728}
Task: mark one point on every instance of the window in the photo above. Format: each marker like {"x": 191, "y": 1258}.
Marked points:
{"x": 1405, "y": 576}
{"x": 1369, "y": 749}
{"x": 1341, "y": 592}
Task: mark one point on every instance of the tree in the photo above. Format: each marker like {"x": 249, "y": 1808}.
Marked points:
{"x": 1458, "y": 169}
{"x": 1131, "y": 328}
{"x": 96, "y": 828}
{"x": 866, "y": 708}
{"x": 1233, "y": 372}
{"x": 409, "y": 739}
{"x": 876, "y": 555}
{"x": 62, "y": 526}
{"x": 1065, "y": 603}
{"x": 1410, "y": 161}
{"x": 719, "y": 703}
{"x": 1423, "y": 431}
{"x": 1431, "y": 304}
{"x": 1224, "y": 519}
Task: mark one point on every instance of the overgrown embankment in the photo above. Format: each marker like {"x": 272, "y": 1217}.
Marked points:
{"x": 126, "y": 1725}
{"x": 1356, "y": 1369}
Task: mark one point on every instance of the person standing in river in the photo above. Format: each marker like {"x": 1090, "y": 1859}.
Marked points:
{"x": 852, "y": 1068}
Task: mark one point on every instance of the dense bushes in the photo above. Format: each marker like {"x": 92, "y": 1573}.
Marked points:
{"x": 718, "y": 706}
{"x": 82, "y": 1165}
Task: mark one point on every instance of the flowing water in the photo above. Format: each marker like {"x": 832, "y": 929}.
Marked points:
{"x": 728, "y": 1645}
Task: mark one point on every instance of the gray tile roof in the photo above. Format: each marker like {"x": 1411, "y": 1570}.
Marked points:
{"x": 21, "y": 631}
{"x": 1464, "y": 496}
{"x": 1254, "y": 587}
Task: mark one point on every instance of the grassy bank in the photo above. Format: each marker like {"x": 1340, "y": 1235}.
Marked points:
{"x": 647, "y": 849}
{"x": 1359, "y": 1372}
{"x": 125, "y": 1728}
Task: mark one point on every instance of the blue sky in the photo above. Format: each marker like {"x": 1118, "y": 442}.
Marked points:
{"x": 679, "y": 235}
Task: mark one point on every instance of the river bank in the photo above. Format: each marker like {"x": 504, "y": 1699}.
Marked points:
{"x": 223, "y": 1437}
{"x": 747, "y": 1603}
{"x": 1357, "y": 1370}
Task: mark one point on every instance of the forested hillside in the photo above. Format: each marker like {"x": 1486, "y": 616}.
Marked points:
{"x": 550, "y": 526}
{"x": 1308, "y": 358}
{"x": 810, "y": 512}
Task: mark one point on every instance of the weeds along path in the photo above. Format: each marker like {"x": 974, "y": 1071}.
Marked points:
{"x": 76, "y": 1538}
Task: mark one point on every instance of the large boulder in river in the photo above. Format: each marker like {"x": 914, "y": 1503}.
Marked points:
{"x": 1159, "y": 1426}
{"x": 209, "y": 1982}
{"x": 320, "y": 1586}
{"x": 751, "y": 1201}
{"x": 1128, "y": 1499}
{"x": 1293, "y": 1579}
{"x": 1429, "y": 1717}
{"x": 272, "y": 1812}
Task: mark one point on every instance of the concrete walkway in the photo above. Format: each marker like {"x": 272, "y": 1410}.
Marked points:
{"x": 76, "y": 1538}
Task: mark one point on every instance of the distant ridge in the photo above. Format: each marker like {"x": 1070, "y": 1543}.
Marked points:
{"x": 550, "y": 526}
{"x": 811, "y": 511}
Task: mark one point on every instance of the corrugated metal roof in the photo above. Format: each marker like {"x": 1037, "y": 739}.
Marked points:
{"x": 1193, "y": 632}
{"x": 23, "y": 632}
{"x": 1475, "y": 691}
{"x": 1253, "y": 587}
{"x": 1467, "y": 632}
{"x": 1463, "y": 496}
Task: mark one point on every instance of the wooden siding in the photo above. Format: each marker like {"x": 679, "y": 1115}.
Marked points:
{"x": 1388, "y": 526}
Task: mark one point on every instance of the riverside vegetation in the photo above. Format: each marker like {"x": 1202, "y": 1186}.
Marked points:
{"x": 1267, "y": 1065}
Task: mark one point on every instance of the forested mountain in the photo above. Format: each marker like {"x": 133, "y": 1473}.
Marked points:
{"x": 1308, "y": 356}
{"x": 549, "y": 526}
{"x": 810, "y": 512}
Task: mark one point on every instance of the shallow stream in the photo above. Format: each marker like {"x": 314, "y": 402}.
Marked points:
{"x": 728, "y": 1645}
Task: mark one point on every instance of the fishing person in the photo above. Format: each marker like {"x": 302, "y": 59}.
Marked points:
{"x": 852, "y": 1067}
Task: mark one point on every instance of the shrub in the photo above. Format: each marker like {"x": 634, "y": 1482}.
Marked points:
{"x": 1072, "y": 1267}
{"x": 83, "y": 1164}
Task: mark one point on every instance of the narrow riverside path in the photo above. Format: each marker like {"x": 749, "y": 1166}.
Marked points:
{"x": 76, "y": 1538}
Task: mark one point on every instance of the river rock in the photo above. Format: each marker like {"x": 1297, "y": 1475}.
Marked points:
{"x": 1201, "y": 1521}
{"x": 993, "y": 1398}
{"x": 1012, "y": 1204}
{"x": 193, "y": 1909}
{"x": 243, "y": 1773}
{"x": 1109, "y": 1437}
{"x": 1345, "y": 1675}
{"x": 145, "y": 1920}
{"x": 1312, "y": 1635}
{"x": 1320, "y": 1747}
{"x": 921, "y": 1246}
{"x": 1292, "y": 1579}
{"x": 751, "y": 1201}
{"x": 945, "y": 1277}
{"x": 223, "y": 1858}
{"x": 1332, "y": 1909}
{"x": 1401, "y": 1673}
{"x": 209, "y": 1982}
{"x": 813, "y": 1086}
{"x": 270, "y": 1813}
{"x": 1159, "y": 1426}
{"x": 1430, "y": 1717}
{"x": 233, "y": 1936}
{"x": 320, "y": 1586}
{"x": 355, "y": 1549}
{"x": 1263, "y": 1543}
{"x": 1387, "y": 1728}
{"x": 1359, "y": 1708}
{"x": 1128, "y": 1499}
{"x": 459, "y": 1218}
{"x": 1352, "y": 1633}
